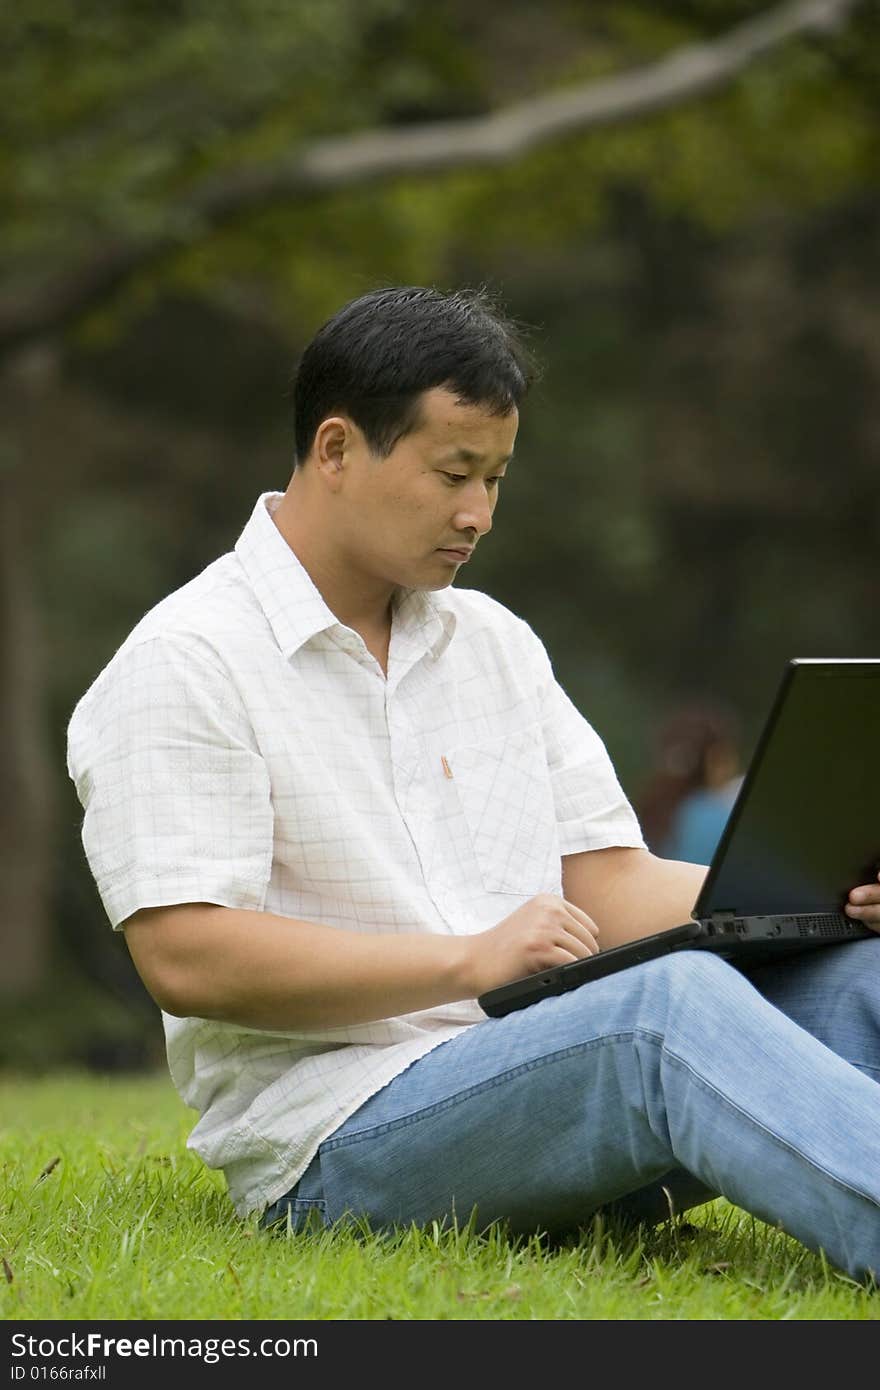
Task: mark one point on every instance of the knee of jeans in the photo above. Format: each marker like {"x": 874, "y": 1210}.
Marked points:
{"x": 692, "y": 979}
{"x": 694, "y": 970}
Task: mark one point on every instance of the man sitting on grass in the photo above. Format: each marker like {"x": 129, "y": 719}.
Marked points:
{"x": 331, "y": 800}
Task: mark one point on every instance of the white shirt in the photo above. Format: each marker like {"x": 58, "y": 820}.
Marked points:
{"x": 244, "y": 748}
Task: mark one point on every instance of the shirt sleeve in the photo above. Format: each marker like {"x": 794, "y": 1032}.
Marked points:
{"x": 175, "y": 793}
{"x": 592, "y": 810}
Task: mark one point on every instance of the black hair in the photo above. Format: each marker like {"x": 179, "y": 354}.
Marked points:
{"x": 376, "y": 356}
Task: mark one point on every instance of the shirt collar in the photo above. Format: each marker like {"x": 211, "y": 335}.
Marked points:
{"x": 422, "y": 620}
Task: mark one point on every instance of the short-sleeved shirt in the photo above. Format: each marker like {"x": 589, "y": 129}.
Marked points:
{"x": 244, "y": 748}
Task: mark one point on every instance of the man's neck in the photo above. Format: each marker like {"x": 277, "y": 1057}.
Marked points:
{"x": 364, "y": 607}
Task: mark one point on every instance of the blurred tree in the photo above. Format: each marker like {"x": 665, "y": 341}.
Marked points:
{"x": 265, "y": 159}
{"x": 161, "y": 135}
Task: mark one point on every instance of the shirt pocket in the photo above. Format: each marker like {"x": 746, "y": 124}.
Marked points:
{"x": 506, "y": 799}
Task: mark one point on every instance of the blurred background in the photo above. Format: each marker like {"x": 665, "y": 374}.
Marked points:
{"x": 680, "y": 200}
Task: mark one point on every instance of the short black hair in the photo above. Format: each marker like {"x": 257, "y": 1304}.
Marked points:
{"x": 377, "y": 355}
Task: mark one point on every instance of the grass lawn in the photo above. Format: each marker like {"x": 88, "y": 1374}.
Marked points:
{"x": 105, "y": 1215}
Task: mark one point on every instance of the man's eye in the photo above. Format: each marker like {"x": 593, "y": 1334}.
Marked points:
{"x": 455, "y": 478}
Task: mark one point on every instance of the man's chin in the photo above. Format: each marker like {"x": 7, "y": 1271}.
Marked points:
{"x": 431, "y": 577}
{"x": 421, "y": 585}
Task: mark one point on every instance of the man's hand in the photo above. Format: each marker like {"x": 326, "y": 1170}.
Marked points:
{"x": 544, "y": 932}
{"x": 864, "y": 904}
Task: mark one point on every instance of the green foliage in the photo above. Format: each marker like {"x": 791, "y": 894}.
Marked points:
{"x": 112, "y": 109}
{"x": 114, "y": 114}
{"x": 693, "y": 499}
{"x": 107, "y": 1216}
{"x": 103, "y": 1024}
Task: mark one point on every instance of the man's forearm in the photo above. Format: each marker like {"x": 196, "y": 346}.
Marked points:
{"x": 631, "y": 893}
{"x": 265, "y": 971}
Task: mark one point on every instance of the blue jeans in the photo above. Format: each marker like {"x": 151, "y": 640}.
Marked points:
{"x": 680, "y": 1073}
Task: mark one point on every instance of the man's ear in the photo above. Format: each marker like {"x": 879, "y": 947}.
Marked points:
{"x": 332, "y": 444}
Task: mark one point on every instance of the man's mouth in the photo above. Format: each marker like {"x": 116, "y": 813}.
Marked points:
{"x": 464, "y": 552}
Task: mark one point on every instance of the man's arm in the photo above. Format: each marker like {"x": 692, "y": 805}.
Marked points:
{"x": 631, "y": 893}
{"x": 261, "y": 970}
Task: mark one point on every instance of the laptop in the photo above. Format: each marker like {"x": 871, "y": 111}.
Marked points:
{"x": 803, "y": 830}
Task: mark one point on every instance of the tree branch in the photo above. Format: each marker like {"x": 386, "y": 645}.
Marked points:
{"x": 332, "y": 163}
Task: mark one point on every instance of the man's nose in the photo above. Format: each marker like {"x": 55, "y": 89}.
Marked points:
{"x": 475, "y": 512}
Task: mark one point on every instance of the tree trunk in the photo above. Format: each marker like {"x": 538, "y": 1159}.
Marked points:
{"x": 26, "y": 818}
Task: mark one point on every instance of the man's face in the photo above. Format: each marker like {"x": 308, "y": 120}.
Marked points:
{"x": 413, "y": 518}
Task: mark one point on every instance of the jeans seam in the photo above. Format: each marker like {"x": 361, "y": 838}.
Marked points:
{"x": 480, "y": 1087}
{"x": 387, "y": 1126}
{"x": 777, "y": 1139}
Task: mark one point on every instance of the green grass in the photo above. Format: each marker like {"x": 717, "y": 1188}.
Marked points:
{"x": 105, "y": 1215}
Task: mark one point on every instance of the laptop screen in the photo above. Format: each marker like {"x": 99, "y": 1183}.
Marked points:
{"x": 805, "y": 826}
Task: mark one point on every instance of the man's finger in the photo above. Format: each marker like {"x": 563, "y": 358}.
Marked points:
{"x": 581, "y": 946}
{"x": 582, "y": 917}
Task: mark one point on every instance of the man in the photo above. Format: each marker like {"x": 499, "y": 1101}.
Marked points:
{"x": 331, "y": 800}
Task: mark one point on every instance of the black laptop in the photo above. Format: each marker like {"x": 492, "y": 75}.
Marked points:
{"x": 804, "y": 829}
